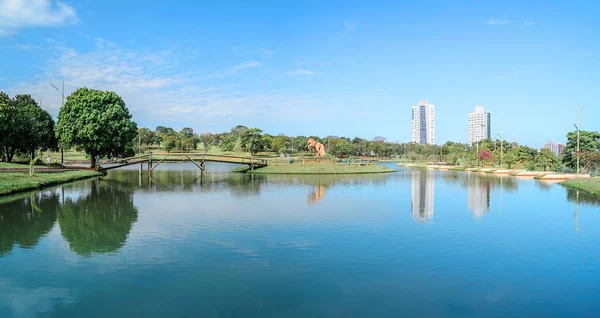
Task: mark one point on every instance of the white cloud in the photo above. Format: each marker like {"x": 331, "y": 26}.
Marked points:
{"x": 158, "y": 86}
{"x": 18, "y": 14}
{"x": 528, "y": 23}
{"x": 497, "y": 22}
{"x": 233, "y": 70}
{"x": 303, "y": 72}
{"x": 238, "y": 50}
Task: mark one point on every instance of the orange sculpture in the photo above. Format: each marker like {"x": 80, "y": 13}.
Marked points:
{"x": 317, "y": 147}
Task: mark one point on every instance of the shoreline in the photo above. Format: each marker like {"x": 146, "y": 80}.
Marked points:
{"x": 539, "y": 175}
{"x": 311, "y": 169}
{"x": 581, "y": 182}
{"x": 15, "y": 182}
{"x": 588, "y": 185}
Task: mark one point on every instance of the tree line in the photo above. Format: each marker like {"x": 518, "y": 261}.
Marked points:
{"x": 99, "y": 123}
{"x": 96, "y": 122}
{"x": 24, "y": 127}
{"x": 488, "y": 152}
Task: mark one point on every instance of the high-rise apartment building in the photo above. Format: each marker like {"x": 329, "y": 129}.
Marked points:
{"x": 480, "y": 125}
{"x": 423, "y": 123}
{"x": 550, "y": 146}
{"x": 559, "y": 148}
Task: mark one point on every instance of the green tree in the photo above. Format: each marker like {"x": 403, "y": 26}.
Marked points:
{"x": 279, "y": 144}
{"x": 589, "y": 141}
{"x": 12, "y": 127}
{"x": 146, "y": 136}
{"x": 24, "y": 126}
{"x": 97, "y": 122}
{"x": 251, "y": 140}
{"x": 510, "y": 158}
{"x": 342, "y": 148}
{"x": 545, "y": 160}
{"x": 40, "y": 127}
{"x": 207, "y": 139}
{"x": 169, "y": 143}
{"x": 266, "y": 141}
{"x": 300, "y": 143}
{"x": 452, "y": 159}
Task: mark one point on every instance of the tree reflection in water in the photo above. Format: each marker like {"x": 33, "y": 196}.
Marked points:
{"x": 100, "y": 221}
{"x": 577, "y": 196}
{"x": 25, "y": 219}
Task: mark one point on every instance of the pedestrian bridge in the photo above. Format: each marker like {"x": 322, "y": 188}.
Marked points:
{"x": 153, "y": 160}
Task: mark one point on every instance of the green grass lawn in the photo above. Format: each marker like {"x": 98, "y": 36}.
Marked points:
{"x": 590, "y": 185}
{"x": 298, "y": 168}
{"x": 18, "y": 181}
{"x": 7, "y": 165}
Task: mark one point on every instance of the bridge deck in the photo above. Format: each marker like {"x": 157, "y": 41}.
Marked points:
{"x": 193, "y": 157}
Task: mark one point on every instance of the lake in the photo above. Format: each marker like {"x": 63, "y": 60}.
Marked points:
{"x": 416, "y": 243}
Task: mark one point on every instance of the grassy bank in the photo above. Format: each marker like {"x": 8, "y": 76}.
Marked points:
{"x": 17, "y": 181}
{"x": 321, "y": 169}
{"x": 589, "y": 185}
{"x": 10, "y": 165}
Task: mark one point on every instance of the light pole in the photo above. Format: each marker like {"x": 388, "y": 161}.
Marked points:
{"x": 501, "y": 146}
{"x": 62, "y": 103}
{"x": 578, "y": 137}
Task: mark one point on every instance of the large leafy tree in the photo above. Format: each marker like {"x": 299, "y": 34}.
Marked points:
{"x": 147, "y": 136}
{"x": 186, "y": 139}
{"x": 342, "y": 148}
{"x": 589, "y": 142}
{"x": 545, "y": 160}
{"x": 6, "y": 123}
{"x": 252, "y": 140}
{"x": 279, "y": 144}
{"x": 37, "y": 131}
{"x": 12, "y": 127}
{"x": 97, "y": 122}
{"x": 24, "y": 126}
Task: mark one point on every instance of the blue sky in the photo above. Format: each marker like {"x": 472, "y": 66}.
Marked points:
{"x": 343, "y": 68}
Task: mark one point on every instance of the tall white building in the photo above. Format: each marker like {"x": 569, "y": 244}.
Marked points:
{"x": 423, "y": 123}
{"x": 480, "y": 125}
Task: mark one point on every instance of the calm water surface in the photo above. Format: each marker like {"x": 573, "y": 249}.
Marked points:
{"x": 415, "y": 243}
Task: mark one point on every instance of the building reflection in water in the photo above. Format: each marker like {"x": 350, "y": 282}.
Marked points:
{"x": 422, "y": 196}
{"x": 478, "y": 195}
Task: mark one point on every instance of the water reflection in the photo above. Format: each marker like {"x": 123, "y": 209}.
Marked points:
{"x": 316, "y": 194}
{"x": 23, "y": 222}
{"x": 478, "y": 195}
{"x": 95, "y": 216}
{"x": 422, "y": 203}
{"x": 577, "y": 197}
{"x": 100, "y": 221}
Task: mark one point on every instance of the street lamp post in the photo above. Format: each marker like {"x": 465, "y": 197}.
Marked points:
{"x": 578, "y": 137}
{"x": 62, "y": 103}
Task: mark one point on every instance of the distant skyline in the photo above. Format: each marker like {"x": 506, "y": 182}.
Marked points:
{"x": 315, "y": 68}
